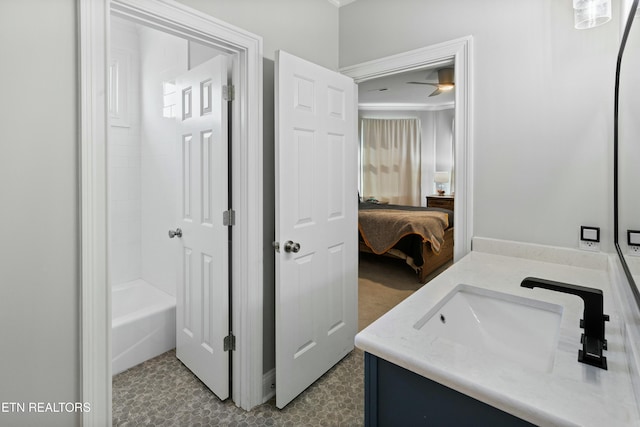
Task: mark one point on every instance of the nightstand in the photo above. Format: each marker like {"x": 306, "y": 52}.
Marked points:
{"x": 445, "y": 202}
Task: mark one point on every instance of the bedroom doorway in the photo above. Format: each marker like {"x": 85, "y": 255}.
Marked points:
{"x": 430, "y": 87}
{"x": 406, "y": 145}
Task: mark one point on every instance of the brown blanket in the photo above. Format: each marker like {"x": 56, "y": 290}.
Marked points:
{"x": 382, "y": 229}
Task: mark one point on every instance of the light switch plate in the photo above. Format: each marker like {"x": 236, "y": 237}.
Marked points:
{"x": 590, "y": 234}
{"x": 590, "y": 238}
{"x": 633, "y": 240}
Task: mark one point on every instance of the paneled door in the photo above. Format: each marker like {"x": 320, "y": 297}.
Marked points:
{"x": 316, "y": 222}
{"x": 202, "y": 315}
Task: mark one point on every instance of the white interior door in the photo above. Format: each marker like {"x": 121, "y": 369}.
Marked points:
{"x": 316, "y": 212}
{"x": 202, "y": 315}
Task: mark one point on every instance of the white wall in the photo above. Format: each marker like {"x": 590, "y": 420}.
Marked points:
{"x": 306, "y": 28}
{"x": 123, "y": 151}
{"x": 39, "y": 250}
{"x": 443, "y": 139}
{"x": 543, "y": 106}
{"x": 163, "y": 58}
{"x": 199, "y": 53}
{"x": 142, "y": 156}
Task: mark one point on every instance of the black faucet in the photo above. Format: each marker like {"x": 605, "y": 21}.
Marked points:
{"x": 593, "y": 318}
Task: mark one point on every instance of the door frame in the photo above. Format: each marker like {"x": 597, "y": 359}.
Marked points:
{"x": 461, "y": 52}
{"x": 247, "y": 153}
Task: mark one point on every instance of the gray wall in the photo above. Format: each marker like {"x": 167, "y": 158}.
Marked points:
{"x": 543, "y": 105}
{"x": 39, "y": 258}
{"x": 306, "y": 28}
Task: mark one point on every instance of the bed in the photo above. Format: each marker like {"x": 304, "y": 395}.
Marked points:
{"x": 423, "y": 237}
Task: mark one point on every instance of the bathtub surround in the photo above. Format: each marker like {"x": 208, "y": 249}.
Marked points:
{"x": 144, "y": 324}
{"x": 141, "y": 150}
{"x": 142, "y": 191}
{"x": 123, "y": 151}
{"x": 163, "y": 58}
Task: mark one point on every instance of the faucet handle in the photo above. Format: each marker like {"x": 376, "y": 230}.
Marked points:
{"x": 591, "y": 352}
{"x": 605, "y": 317}
{"x": 603, "y": 343}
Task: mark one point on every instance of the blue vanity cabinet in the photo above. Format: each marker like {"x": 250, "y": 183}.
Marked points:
{"x": 395, "y": 396}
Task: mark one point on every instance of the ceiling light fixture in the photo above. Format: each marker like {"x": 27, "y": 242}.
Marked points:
{"x": 445, "y": 81}
{"x": 591, "y": 13}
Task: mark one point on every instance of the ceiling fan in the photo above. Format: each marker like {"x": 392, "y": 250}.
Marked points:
{"x": 445, "y": 82}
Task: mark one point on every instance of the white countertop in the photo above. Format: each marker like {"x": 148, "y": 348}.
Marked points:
{"x": 571, "y": 394}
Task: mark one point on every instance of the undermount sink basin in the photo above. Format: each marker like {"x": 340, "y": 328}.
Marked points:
{"x": 496, "y": 324}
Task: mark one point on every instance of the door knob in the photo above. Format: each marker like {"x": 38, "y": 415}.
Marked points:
{"x": 292, "y": 247}
{"x": 173, "y": 234}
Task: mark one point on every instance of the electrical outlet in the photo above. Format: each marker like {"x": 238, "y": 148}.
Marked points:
{"x": 633, "y": 240}
{"x": 590, "y": 246}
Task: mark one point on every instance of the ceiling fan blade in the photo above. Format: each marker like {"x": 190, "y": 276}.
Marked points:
{"x": 436, "y": 92}
{"x": 423, "y": 83}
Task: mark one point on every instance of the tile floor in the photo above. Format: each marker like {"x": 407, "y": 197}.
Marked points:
{"x": 163, "y": 392}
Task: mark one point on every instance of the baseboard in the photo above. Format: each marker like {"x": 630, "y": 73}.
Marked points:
{"x": 268, "y": 385}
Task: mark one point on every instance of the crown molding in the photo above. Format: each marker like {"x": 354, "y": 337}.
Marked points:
{"x": 405, "y": 107}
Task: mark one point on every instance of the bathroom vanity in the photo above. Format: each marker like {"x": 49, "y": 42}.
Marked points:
{"x": 514, "y": 362}
{"x": 397, "y": 396}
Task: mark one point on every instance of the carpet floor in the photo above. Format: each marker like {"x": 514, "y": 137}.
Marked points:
{"x": 163, "y": 392}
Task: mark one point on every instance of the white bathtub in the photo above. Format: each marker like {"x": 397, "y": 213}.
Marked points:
{"x": 143, "y": 324}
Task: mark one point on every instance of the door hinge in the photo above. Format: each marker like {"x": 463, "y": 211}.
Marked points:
{"x": 229, "y": 218}
{"x": 228, "y": 92}
{"x": 229, "y": 343}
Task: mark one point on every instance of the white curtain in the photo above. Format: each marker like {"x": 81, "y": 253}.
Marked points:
{"x": 390, "y": 160}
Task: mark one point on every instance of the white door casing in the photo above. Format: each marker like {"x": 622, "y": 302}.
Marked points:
{"x": 93, "y": 30}
{"x": 316, "y": 207}
{"x": 460, "y": 51}
{"x": 202, "y": 312}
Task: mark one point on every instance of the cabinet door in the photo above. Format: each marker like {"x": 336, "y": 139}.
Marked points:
{"x": 395, "y": 396}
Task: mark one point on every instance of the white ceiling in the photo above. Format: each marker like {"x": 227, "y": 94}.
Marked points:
{"x": 400, "y": 95}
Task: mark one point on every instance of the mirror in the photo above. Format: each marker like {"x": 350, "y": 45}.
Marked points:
{"x": 627, "y": 151}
